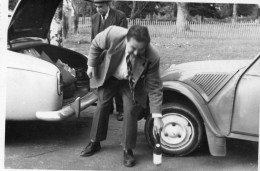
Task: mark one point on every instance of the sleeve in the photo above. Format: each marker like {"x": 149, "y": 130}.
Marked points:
{"x": 123, "y": 21}
{"x": 92, "y": 29}
{"x": 156, "y": 115}
{"x": 98, "y": 45}
{"x": 154, "y": 87}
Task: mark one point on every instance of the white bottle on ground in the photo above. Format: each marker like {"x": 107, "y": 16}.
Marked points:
{"x": 157, "y": 151}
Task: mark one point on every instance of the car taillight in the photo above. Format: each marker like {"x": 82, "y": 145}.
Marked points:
{"x": 59, "y": 83}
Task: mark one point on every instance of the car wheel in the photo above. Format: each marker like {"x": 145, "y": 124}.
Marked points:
{"x": 182, "y": 131}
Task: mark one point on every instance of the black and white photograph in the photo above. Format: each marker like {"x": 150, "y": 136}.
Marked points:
{"x": 130, "y": 85}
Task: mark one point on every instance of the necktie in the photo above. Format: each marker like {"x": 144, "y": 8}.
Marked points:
{"x": 129, "y": 72}
{"x": 103, "y": 18}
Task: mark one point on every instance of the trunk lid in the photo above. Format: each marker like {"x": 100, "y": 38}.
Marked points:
{"x": 32, "y": 18}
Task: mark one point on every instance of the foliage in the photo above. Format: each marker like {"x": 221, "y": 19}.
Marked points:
{"x": 167, "y": 9}
{"x": 248, "y": 10}
{"x": 124, "y": 6}
{"x": 12, "y": 4}
{"x": 150, "y": 9}
{"x": 225, "y": 10}
{"x": 82, "y": 7}
{"x": 136, "y": 9}
{"x": 203, "y": 9}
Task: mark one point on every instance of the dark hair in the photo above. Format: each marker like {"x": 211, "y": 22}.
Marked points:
{"x": 139, "y": 33}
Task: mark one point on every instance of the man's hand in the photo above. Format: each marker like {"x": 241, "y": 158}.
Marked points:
{"x": 91, "y": 72}
{"x": 157, "y": 125}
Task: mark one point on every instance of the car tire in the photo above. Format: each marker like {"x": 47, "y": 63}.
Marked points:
{"x": 182, "y": 132}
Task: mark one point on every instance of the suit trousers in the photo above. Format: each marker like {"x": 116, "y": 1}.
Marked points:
{"x": 101, "y": 117}
{"x": 118, "y": 103}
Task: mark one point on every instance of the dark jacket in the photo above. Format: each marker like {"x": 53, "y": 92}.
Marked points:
{"x": 106, "y": 52}
{"x": 115, "y": 17}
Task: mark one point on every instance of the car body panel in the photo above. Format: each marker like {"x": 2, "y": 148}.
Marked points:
{"x": 220, "y": 90}
{"x": 26, "y": 79}
{"x": 247, "y": 101}
{"x": 68, "y": 110}
{"x": 29, "y": 63}
{"x": 206, "y": 77}
{"x": 221, "y": 112}
{"x": 197, "y": 100}
{"x": 208, "y": 84}
{"x": 247, "y": 106}
{"x": 243, "y": 137}
{"x": 25, "y": 42}
{"x": 227, "y": 66}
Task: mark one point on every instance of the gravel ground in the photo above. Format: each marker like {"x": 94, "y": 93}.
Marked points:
{"x": 57, "y": 145}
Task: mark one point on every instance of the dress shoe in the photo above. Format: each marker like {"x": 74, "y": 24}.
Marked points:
{"x": 129, "y": 159}
{"x": 90, "y": 149}
{"x": 119, "y": 116}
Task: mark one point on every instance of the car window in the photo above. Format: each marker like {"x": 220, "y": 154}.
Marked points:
{"x": 255, "y": 69}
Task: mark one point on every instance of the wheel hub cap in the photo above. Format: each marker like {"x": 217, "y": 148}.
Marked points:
{"x": 177, "y": 131}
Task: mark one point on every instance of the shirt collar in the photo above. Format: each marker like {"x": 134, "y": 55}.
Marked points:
{"x": 107, "y": 13}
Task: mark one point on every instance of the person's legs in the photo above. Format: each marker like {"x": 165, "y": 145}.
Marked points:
{"x": 129, "y": 138}
{"x": 112, "y": 107}
{"x": 101, "y": 117}
{"x": 131, "y": 113}
{"x": 119, "y": 102}
{"x": 119, "y": 106}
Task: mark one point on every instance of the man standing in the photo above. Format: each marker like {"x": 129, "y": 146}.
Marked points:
{"x": 124, "y": 60}
{"x": 104, "y": 18}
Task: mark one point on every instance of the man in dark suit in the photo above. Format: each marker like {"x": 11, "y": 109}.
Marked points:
{"x": 124, "y": 60}
{"x": 104, "y": 18}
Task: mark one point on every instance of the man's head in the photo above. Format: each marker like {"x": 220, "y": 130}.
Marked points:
{"x": 102, "y": 6}
{"x": 137, "y": 40}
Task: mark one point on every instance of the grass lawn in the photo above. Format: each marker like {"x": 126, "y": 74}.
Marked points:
{"x": 180, "y": 50}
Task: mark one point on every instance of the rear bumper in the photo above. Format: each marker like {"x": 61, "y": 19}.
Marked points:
{"x": 72, "y": 109}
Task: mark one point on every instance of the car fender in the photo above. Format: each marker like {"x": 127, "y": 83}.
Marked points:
{"x": 31, "y": 85}
{"x": 197, "y": 100}
{"x": 216, "y": 141}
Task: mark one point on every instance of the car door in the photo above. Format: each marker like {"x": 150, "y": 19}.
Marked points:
{"x": 247, "y": 100}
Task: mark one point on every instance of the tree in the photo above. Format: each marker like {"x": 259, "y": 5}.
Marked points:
{"x": 230, "y": 10}
{"x": 75, "y": 14}
{"x": 125, "y": 6}
{"x": 182, "y": 15}
{"x": 167, "y": 9}
{"x": 208, "y": 10}
{"x": 234, "y": 16}
{"x": 150, "y": 9}
{"x": 173, "y": 7}
{"x": 65, "y": 18}
{"x": 248, "y": 10}
{"x": 137, "y": 8}
{"x": 224, "y": 10}
{"x": 55, "y": 35}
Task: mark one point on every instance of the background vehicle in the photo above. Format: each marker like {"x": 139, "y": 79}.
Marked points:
{"x": 219, "y": 97}
{"x": 43, "y": 81}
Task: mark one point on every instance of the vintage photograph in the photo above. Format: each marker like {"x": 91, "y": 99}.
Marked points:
{"x": 142, "y": 85}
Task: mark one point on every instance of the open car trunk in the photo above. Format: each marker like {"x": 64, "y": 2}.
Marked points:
{"x": 73, "y": 67}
